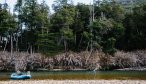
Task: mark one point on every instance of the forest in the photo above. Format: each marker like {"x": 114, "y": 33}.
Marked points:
{"x": 74, "y": 36}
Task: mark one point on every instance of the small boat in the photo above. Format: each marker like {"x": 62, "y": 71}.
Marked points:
{"x": 21, "y": 76}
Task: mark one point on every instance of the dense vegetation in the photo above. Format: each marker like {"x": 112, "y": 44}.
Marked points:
{"x": 104, "y": 26}
{"x": 79, "y": 27}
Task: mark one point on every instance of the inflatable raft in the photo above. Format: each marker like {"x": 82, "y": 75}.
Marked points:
{"x": 22, "y": 76}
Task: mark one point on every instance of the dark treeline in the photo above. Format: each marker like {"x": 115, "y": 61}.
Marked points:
{"x": 104, "y": 26}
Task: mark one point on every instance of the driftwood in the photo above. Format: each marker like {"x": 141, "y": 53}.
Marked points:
{"x": 69, "y": 61}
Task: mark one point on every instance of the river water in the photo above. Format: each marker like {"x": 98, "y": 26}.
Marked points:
{"x": 82, "y": 75}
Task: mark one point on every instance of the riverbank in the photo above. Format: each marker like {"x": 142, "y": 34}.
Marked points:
{"x": 75, "y": 82}
{"x": 133, "y": 69}
{"x": 85, "y": 60}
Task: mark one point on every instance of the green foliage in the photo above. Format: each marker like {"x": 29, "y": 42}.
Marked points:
{"x": 47, "y": 44}
{"x": 35, "y": 18}
{"x": 59, "y": 4}
{"x": 73, "y": 28}
{"x": 7, "y": 22}
{"x": 7, "y": 27}
{"x": 106, "y": 31}
{"x": 109, "y": 46}
{"x": 113, "y": 10}
{"x": 135, "y": 29}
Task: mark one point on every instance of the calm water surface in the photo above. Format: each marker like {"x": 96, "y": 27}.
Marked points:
{"x": 83, "y": 75}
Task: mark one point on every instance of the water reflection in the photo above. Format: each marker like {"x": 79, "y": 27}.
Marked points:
{"x": 83, "y": 75}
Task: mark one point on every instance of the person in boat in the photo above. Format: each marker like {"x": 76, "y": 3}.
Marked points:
{"x": 19, "y": 73}
{"x": 28, "y": 72}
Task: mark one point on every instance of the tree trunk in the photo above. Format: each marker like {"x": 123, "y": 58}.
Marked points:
{"x": 88, "y": 57}
{"x": 17, "y": 43}
{"x": 80, "y": 42}
{"x": 38, "y": 49}
{"x": 65, "y": 45}
{"x": 87, "y": 46}
{"x": 5, "y": 45}
{"x": 1, "y": 42}
{"x": 42, "y": 30}
{"x": 11, "y": 45}
{"x": 0, "y": 38}
{"x": 30, "y": 50}
{"x": 75, "y": 37}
